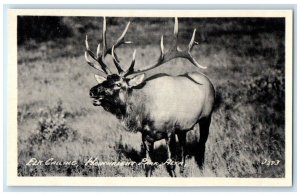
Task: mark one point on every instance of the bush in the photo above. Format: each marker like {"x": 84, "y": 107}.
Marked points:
{"x": 268, "y": 89}
{"x": 52, "y": 127}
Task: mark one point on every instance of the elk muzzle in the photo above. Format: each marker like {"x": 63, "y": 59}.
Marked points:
{"x": 97, "y": 93}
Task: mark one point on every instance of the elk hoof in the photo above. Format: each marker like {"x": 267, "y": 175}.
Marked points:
{"x": 170, "y": 165}
{"x": 148, "y": 170}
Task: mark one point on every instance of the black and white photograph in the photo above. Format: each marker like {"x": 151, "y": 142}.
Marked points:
{"x": 159, "y": 96}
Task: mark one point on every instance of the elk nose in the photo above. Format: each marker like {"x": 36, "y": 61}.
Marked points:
{"x": 91, "y": 94}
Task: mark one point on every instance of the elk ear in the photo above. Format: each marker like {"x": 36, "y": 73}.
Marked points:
{"x": 100, "y": 79}
{"x": 136, "y": 80}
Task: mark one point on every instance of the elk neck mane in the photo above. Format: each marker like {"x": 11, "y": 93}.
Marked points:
{"x": 135, "y": 112}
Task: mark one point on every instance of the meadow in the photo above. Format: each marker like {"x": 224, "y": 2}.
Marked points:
{"x": 56, "y": 117}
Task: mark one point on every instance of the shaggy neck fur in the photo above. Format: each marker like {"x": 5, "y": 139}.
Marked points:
{"x": 136, "y": 115}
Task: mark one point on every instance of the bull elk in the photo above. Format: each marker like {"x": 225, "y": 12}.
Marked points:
{"x": 160, "y": 106}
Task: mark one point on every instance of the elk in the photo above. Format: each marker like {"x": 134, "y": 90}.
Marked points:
{"x": 161, "y": 106}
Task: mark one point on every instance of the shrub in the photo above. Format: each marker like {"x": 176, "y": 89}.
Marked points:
{"x": 52, "y": 127}
{"x": 267, "y": 89}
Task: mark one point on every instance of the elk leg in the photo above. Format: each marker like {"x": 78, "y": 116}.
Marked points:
{"x": 149, "y": 151}
{"x": 204, "y": 131}
{"x": 171, "y": 149}
{"x": 182, "y": 142}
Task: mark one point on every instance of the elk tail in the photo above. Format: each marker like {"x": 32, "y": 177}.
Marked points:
{"x": 218, "y": 100}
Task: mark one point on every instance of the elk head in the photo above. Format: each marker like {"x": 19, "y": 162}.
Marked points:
{"x": 114, "y": 88}
{"x": 112, "y": 92}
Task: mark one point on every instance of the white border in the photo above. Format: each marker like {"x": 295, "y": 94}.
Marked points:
{"x": 14, "y": 180}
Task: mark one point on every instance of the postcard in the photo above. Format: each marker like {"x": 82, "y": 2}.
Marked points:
{"x": 150, "y": 97}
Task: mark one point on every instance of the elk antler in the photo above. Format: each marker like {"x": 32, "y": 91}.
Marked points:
{"x": 118, "y": 65}
{"x": 100, "y": 56}
{"x": 173, "y": 52}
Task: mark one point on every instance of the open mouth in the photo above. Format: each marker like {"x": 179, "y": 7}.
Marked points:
{"x": 97, "y": 101}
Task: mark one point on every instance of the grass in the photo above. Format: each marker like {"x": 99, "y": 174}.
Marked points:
{"x": 245, "y": 60}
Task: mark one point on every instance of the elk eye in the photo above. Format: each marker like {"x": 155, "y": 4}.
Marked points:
{"x": 118, "y": 85}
